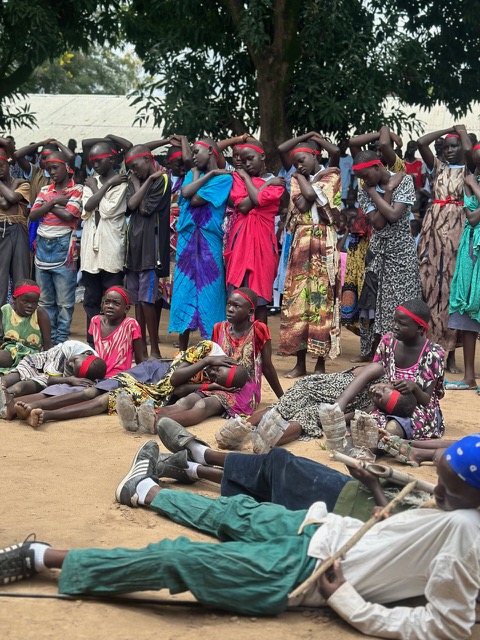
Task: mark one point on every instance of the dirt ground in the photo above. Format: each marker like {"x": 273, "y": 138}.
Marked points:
{"x": 59, "y": 482}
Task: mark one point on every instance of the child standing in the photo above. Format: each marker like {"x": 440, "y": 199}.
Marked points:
{"x": 116, "y": 337}
{"x": 251, "y": 254}
{"x": 102, "y": 251}
{"x": 310, "y": 319}
{"x": 148, "y": 239}
{"x": 392, "y": 273}
{"x": 58, "y": 207}
{"x": 24, "y": 326}
{"x": 198, "y": 299}
{"x": 465, "y": 289}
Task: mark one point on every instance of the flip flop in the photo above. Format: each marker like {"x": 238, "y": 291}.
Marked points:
{"x": 459, "y": 385}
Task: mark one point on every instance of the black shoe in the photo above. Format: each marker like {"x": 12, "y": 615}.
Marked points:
{"x": 174, "y": 436}
{"x": 18, "y": 561}
{"x": 143, "y": 466}
{"x": 174, "y": 465}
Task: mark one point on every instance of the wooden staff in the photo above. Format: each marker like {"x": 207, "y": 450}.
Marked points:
{"x": 350, "y": 543}
{"x": 383, "y": 471}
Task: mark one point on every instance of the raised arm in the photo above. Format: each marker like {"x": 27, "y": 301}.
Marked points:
{"x": 424, "y": 145}
{"x": 357, "y": 142}
{"x": 332, "y": 149}
{"x": 285, "y": 148}
{"x": 386, "y": 148}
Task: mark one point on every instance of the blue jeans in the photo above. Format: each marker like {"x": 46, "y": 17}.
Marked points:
{"x": 282, "y": 478}
{"x": 57, "y": 285}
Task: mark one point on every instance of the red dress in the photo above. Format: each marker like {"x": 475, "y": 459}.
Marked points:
{"x": 251, "y": 250}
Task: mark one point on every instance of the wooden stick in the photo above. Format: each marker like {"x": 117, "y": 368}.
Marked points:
{"x": 350, "y": 543}
{"x": 384, "y": 471}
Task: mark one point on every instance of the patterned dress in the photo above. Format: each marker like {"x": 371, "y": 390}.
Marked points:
{"x": 394, "y": 263}
{"x": 437, "y": 248}
{"x": 359, "y": 240}
{"x": 311, "y": 301}
{"x": 198, "y": 298}
{"x": 246, "y": 350}
{"x": 22, "y": 335}
{"x": 427, "y": 422}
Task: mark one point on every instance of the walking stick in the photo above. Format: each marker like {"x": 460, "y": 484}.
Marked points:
{"x": 350, "y": 543}
{"x": 384, "y": 471}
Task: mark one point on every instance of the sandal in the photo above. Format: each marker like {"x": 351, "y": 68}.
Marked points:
{"x": 393, "y": 448}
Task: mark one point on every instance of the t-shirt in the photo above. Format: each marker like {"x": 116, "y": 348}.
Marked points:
{"x": 346, "y": 172}
{"x": 17, "y": 213}
{"x": 51, "y": 226}
{"x": 415, "y": 169}
{"x": 117, "y": 348}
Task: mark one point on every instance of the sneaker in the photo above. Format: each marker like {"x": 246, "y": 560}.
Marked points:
{"x": 174, "y": 436}
{"x": 174, "y": 466}
{"x": 18, "y": 561}
{"x": 143, "y": 466}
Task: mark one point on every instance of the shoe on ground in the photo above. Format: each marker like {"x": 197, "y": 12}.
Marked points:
{"x": 174, "y": 436}
{"x": 174, "y": 466}
{"x": 18, "y": 561}
{"x": 143, "y": 466}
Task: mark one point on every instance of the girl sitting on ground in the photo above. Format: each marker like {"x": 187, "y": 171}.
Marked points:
{"x": 24, "y": 326}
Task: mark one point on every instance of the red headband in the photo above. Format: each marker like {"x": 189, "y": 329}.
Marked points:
{"x": 120, "y": 291}
{"x": 365, "y": 165}
{"x": 231, "y": 375}
{"x": 82, "y": 372}
{"x": 26, "y": 288}
{"x": 57, "y": 160}
{"x": 208, "y": 146}
{"x": 99, "y": 156}
{"x": 244, "y": 295}
{"x": 392, "y": 401}
{"x": 477, "y": 146}
{"x": 418, "y": 320}
{"x": 140, "y": 155}
{"x": 247, "y": 145}
{"x": 302, "y": 150}
{"x": 177, "y": 154}
{"x": 46, "y": 152}
{"x": 452, "y": 135}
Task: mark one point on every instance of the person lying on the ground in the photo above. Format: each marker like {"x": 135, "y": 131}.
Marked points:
{"x": 149, "y": 384}
{"x": 267, "y": 551}
{"x": 69, "y": 363}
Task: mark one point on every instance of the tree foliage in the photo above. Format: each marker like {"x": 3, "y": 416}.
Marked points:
{"x": 294, "y": 65}
{"x": 101, "y": 70}
{"x": 33, "y": 32}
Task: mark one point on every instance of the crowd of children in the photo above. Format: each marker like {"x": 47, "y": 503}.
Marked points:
{"x": 201, "y": 230}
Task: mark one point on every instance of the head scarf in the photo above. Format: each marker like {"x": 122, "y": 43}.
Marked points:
{"x": 464, "y": 458}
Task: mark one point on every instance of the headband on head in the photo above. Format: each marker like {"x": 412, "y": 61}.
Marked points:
{"x": 120, "y": 291}
{"x": 231, "y": 375}
{"x": 365, "y": 165}
{"x": 208, "y": 146}
{"x": 26, "y": 288}
{"x": 82, "y": 372}
{"x": 140, "y": 155}
{"x": 247, "y": 145}
{"x": 99, "y": 156}
{"x": 177, "y": 154}
{"x": 464, "y": 458}
{"x": 392, "y": 402}
{"x": 452, "y": 135}
{"x": 46, "y": 152}
{"x": 417, "y": 319}
{"x": 4, "y": 152}
{"x": 244, "y": 295}
{"x": 477, "y": 146}
{"x": 303, "y": 150}
{"x": 57, "y": 160}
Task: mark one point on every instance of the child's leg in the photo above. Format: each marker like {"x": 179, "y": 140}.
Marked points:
{"x": 41, "y": 401}
{"x": 201, "y": 410}
{"x": 9, "y": 379}
{"x": 6, "y": 360}
{"x": 86, "y": 409}
{"x": 24, "y": 387}
{"x": 469, "y": 344}
{"x": 183, "y": 339}
{"x": 181, "y": 405}
{"x": 151, "y": 322}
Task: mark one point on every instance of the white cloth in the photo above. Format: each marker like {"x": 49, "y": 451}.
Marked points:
{"x": 421, "y": 552}
{"x": 103, "y": 247}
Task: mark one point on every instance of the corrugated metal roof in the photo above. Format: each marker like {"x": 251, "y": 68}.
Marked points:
{"x": 92, "y": 116}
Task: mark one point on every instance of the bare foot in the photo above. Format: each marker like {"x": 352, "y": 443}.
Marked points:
{"x": 146, "y": 418}
{"x": 22, "y": 409}
{"x": 367, "y": 358}
{"x": 320, "y": 366}
{"x": 7, "y": 402}
{"x": 296, "y": 372}
{"x": 36, "y": 418}
{"x": 450, "y": 365}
